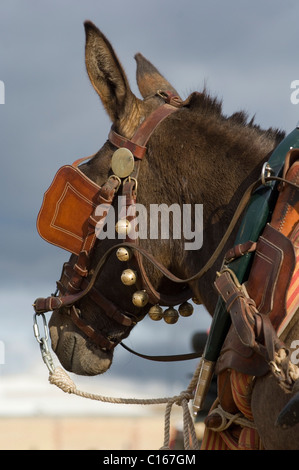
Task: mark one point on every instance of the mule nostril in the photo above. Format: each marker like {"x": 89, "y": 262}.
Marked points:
{"x": 116, "y": 336}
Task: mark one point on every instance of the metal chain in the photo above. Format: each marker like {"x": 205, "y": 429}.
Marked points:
{"x": 43, "y": 341}
{"x": 59, "y": 377}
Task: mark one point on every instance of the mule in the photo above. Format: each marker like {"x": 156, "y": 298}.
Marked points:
{"x": 195, "y": 156}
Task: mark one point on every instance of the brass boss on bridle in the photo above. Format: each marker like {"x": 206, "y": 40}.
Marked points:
{"x": 74, "y": 283}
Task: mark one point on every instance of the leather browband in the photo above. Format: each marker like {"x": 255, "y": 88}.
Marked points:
{"x": 119, "y": 141}
{"x": 137, "y": 145}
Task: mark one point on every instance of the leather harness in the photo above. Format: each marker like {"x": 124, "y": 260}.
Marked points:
{"x": 74, "y": 283}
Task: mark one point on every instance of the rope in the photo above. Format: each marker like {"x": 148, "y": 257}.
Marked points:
{"x": 61, "y": 379}
{"x": 284, "y": 370}
{"x": 228, "y": 419}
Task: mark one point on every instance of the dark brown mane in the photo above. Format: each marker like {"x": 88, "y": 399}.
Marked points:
{"x": 209, "y": 105}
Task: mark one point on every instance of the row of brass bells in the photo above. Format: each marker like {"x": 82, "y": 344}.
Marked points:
{"x": 129, "y": 277}
{"x": 140, "y": 298}
{"x": 170, "y": 315}
{"x": 122, "y": 164}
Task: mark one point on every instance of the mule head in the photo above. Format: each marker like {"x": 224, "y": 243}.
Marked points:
{"x": 77, "y": 351}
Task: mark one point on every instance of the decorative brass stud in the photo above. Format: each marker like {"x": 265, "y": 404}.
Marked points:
{"x": 124, "y": 254}
{"x": 155, "y": 313}
{"x": 122, "y": 162}
{"x": 196, "y": 301}
{"x": 185, "y": 309}
{"x": 123, "y": 227}
{"x": 128, "y": 277}
{"x": 140, "y": 298}
{"x": 171, "y": 315}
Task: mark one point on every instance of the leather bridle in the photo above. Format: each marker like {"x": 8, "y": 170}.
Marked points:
{"x": 74, "y": 284}
{"x": 78, "y": 281}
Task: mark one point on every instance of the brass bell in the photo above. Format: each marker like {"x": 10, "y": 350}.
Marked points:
{"x": 186, "y": 309}
{"x": 123, "y": 227}
{"x": 124, "y": 254}
{"x": 140, "y": 298}
{"x": 155, "y": 313}
{"x": 128, "y": 277}
{"x": 171, "y": 315}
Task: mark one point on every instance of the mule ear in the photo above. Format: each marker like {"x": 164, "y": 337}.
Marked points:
{"x": 105, "y": 72}
{"x": 149, "y": 79}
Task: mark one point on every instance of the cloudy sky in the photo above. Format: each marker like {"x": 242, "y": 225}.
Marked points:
{"x": 245, "y": 52}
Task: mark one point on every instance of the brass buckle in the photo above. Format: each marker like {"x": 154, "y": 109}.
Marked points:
{"x": 117, "y": 178}
{"x": 128, "y": 180}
